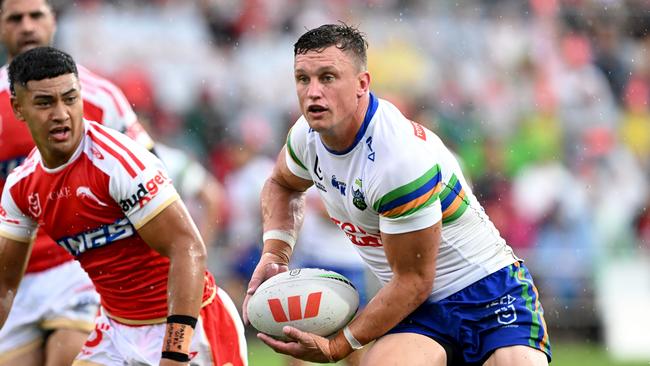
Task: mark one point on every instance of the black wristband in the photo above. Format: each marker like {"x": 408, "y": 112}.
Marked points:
{"x": 182, "y": 319}
{"x": 176, "y": 356}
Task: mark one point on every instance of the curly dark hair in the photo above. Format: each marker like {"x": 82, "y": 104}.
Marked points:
{"x": 344, "y": 37}
{"x": 38, "y": 64}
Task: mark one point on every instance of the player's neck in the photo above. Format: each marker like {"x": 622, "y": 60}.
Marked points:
{"x": 56, "y": 159}
{"x": 343, "y": 138}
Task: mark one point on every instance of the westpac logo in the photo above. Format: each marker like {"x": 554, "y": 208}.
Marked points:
{"x": 145, "y": 192}
{"x": 295, "y": 308}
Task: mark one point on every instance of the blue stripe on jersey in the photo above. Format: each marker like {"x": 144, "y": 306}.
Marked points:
{"x": 372, "y": 108}
{"x": 455, "y": 190}
{"x": 426, "y": 187}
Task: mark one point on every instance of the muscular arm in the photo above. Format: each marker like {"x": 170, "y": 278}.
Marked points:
{"x": 173, "y": 234}
{"x": 412, "y": 257}
{"x": 283, "y": 205}
{"x": 13, "y": 260}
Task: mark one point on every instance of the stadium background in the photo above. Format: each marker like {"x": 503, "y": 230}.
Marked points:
{"x": 545, "y": 102}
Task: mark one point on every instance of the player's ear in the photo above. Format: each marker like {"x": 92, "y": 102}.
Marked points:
{"x": 18, "y": 109}
{"x": 363, "y": 83}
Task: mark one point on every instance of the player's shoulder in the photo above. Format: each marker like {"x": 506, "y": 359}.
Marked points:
{"x": 300, "y": 130}
{"x": 403, "y": 151}
{"x": 398, "y": 136}
{"x": 25, "y": 170}
{"x": 108, "y": 147}
{"x": 299, "y": 135}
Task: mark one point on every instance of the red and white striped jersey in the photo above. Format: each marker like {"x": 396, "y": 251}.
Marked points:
{"x": 92, "y": 206}
{"x": 103, "y": 103}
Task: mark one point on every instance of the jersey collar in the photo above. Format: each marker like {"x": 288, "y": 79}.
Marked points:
{"x": 370, "y": 112}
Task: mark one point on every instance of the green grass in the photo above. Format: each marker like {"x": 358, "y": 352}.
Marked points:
{"x": 564, "y": 354}
{"x": 581, "y": 354}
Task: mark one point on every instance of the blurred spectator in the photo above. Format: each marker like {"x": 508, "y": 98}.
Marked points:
{"x": 635, "y": 126}
{"x": 199, "y": 189}
{"x": 585, "y": 99}
{"x": 244, "y": 232}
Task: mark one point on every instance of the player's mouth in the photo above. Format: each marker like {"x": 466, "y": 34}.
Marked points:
{"x": 60, "y": 134}
{"x": 315, "y": 110}
{"x": 28, "y": 43}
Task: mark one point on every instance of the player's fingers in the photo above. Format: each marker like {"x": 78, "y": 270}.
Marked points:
{"x": 275, "y": 268}
{"x": 296, "y": 334}
{"x": 254, "y": 283}
{"x": 277, "y": 345}
{"x": 244, "y": 310}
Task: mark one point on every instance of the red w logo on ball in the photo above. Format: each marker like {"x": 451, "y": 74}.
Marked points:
{"x": 295, "y": 308}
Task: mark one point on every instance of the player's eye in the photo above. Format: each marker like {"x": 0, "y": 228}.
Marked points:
{"x": 16, "y": 18}
{"x": 327, "y": 78}
{"x": 70, "y": 99}
{"x": 36, "y": 15}
{"x": 302, "y": 79}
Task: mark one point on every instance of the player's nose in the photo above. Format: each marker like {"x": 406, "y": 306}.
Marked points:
{"x": 59, "y": 112}
{"x": 314, "y": 89}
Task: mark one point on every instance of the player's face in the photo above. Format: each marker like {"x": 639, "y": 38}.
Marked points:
{"x": 26, "y": 24}
{"x": 329, "y": 85}
{"x": 53, "y": 111}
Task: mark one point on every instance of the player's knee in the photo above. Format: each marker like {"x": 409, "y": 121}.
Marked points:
{"x": 517, "y": 355}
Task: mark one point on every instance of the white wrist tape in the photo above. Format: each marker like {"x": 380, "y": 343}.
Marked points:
{"x": 281, "y": 235}
{"x": 354, "y": 343}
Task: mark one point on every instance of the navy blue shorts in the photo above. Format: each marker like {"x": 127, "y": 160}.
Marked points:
{"x": 500, "y": 310}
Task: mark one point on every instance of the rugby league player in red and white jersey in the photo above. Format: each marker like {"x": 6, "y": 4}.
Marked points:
{"x": 123, "y": 222}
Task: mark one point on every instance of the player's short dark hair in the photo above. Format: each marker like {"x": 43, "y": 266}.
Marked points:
{"x": 344, "y": 37}
{"x": 38, "y": 64}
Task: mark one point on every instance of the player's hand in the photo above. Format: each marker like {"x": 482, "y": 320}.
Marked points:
{"x": 269, "y": 265}
{"x": 302, "y": 345}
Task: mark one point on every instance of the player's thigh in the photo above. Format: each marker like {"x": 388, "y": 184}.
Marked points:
{"x": 63, "y": 345}
{"x": 517, "y": 356}
{"x": 405, "y": 349}
{"x": 27, "y": 356}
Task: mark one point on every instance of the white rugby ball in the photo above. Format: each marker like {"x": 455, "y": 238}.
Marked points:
{"x": 310, "y": 299}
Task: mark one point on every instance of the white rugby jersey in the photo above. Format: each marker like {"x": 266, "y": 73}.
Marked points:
{"x": 399, "y": 177}
{"x": 92, "y": 206}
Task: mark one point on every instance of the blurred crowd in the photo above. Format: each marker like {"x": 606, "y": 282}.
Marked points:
{"x": 544, "y": 101}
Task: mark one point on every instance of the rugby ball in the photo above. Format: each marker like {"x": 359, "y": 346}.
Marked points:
{"x": 310, "y": 299}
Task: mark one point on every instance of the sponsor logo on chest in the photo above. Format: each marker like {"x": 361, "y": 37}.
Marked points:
{"x": 98, "y": 237}
{"x": 145, "y": 192}
{"x": 64, "y": 192}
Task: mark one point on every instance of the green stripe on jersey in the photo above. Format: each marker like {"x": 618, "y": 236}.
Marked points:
{"x": 293, "y": 153}
{"x": 407, "y": 188}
